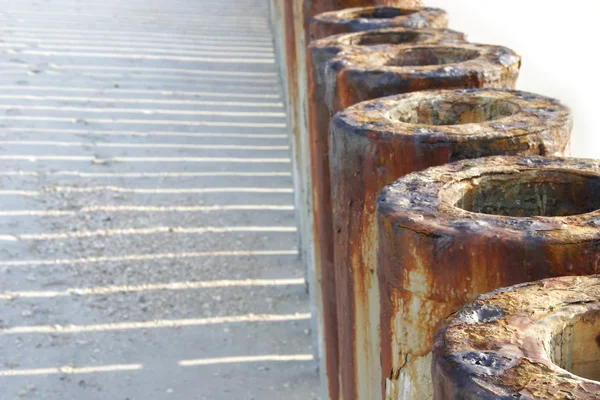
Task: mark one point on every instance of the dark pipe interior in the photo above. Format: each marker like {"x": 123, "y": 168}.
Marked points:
{"x": 423, "y": 56}
{"x": 385, "y": 13}
{"x": 529, "y": 194}
{"x": 437, "y": 111}
{"x": 577, "y": 347}
{"x": 391, "y": 38}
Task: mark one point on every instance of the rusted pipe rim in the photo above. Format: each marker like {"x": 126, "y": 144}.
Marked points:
{"x": 528, "y": 341}
{"x": 433, "y": 61}
{"x": 447, "y": 116}
{"x": 390, "y": 36}
{"x": 555, "y": 198}
{"x": 384, "y": 16}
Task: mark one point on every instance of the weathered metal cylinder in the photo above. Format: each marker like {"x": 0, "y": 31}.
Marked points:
{"x": 320, "y": 52}
{"x": 360, "y": 76}
{"x": 363, "y": 75}
{"x": 536, "y": 340}
{"x": 370, "y": 18}
{"x": 450, "y": 233}
{"x": 374, "y": 143}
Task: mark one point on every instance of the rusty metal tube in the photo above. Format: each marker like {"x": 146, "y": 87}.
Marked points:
{"x": 371, "y": 18}
{"x": 450, "y": 233}
{"x": 374, "y": 143}
{"x": 532, "y": 341}
{"x": 362, "y": 75}
{"x": 320, "y": 52}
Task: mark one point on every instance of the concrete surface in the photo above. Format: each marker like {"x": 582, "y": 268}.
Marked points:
{"x": 148, "y": 246}
{"x": 557, "y": 42}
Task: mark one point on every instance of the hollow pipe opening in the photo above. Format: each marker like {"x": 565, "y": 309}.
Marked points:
{"x": 424, "y": 56}
{"x": 437, "y": 111}
{"x": 576, "y": 347}
{"x": 382, "y": 13}
{"x": 549, "y": 193}
{"x": 390, "y": 38}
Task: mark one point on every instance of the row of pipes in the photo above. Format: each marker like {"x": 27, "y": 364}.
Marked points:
{"x": 424, "y": 180}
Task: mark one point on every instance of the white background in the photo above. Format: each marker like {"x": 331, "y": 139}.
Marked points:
{"x": 559, "y": 42}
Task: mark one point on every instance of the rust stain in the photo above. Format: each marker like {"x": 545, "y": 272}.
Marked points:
{"x": 518, "y": 341}
{"x": 291, "y": 59}
{"x": 456, "y": 231}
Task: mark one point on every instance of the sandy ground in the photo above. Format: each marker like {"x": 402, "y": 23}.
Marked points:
{"x": 148, "y": 244}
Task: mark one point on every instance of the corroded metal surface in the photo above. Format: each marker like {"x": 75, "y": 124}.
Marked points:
{"x": 370, "y": 18}
{"x": 320, "y": 52}
{"x": 351, "y": 78}
{"x": 374, "y": 143}
{"x": 450, "y": 233}
{"x": 532, "y": 341}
